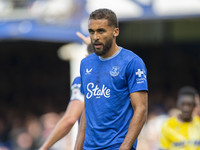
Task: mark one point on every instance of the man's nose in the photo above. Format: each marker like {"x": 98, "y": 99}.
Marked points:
{"x": 96, "y": 36}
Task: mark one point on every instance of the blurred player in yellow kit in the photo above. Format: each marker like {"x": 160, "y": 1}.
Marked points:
{"x": 182, "y": 132}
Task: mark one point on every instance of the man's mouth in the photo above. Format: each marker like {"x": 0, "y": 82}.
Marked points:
{"x": 97, "y": 45}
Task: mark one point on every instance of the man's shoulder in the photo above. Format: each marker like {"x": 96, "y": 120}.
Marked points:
{"x": 77, "y": 78}
{"x": 90, "y": 57}
{"x": 197, "y": 119}
{"x": 170, "y": 121}
{"x": 128, "y": 52}
{"x": 129, "y": 55}
{"x": 76, "y": 81}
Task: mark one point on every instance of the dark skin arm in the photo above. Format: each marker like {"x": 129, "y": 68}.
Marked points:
{"x": 139, "y": 104}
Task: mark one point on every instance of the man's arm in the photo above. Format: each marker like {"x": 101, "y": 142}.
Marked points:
{"x": 81, "y": 133}
{"x": 139, "y": 103}
{"x": 72, "y": 114}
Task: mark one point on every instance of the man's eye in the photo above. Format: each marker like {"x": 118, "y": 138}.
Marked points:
{"x": 101, "y": 31}
{"x": 91, "y": 32}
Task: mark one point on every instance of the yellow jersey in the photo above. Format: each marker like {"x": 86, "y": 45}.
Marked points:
{"x": 177, "y": 135}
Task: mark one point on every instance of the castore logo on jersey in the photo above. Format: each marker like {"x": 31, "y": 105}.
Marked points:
{"x": 88, "y": 71}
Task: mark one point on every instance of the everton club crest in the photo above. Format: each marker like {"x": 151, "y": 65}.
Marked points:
{"x": 115, "y": 71}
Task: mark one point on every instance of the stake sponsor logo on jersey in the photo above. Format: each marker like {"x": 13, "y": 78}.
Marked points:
{"x": 96, "y": 91}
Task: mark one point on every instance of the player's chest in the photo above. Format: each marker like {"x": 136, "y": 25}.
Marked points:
{"x": 186, "y": 132}
{"x": 105, "y": 76}
{"x": 185, "y": 137}
{"x": 103, "y": 72}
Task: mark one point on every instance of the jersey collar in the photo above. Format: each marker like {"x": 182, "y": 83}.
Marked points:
{"x": 108, "y": 58}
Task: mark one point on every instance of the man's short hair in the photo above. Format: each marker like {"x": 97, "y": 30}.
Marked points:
{"x": 105, "y": 14}
{"x": 187, "y": 90}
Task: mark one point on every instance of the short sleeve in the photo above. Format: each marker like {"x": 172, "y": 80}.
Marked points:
{"x": 75, "y": 90}
{"x": 136, "y": 74}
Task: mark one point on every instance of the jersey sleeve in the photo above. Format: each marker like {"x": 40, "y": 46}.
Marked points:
{"x": 136, "y": 74}
{"x": 75, "y": 90}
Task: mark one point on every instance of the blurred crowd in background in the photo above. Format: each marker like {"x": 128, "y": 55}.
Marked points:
{"x": 33, "y": 82}
{"x": 49, "y": 11}
{"x": 36, "y": 7}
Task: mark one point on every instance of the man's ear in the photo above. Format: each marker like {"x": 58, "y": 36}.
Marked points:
{"x": 116, "y": 32}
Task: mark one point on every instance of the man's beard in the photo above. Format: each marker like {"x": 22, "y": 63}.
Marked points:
{"x": 106, "y": 48}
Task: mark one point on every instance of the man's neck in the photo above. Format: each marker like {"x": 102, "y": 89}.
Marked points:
{"x": 180, "y": 118}
{"x": 114, "y": 49}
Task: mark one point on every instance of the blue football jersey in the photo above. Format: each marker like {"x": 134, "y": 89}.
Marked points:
{"x": 107, "y": 84}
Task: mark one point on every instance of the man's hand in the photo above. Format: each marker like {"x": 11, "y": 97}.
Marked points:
{"x": 42, "y": 148}
{"x": 85, "y": 39}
